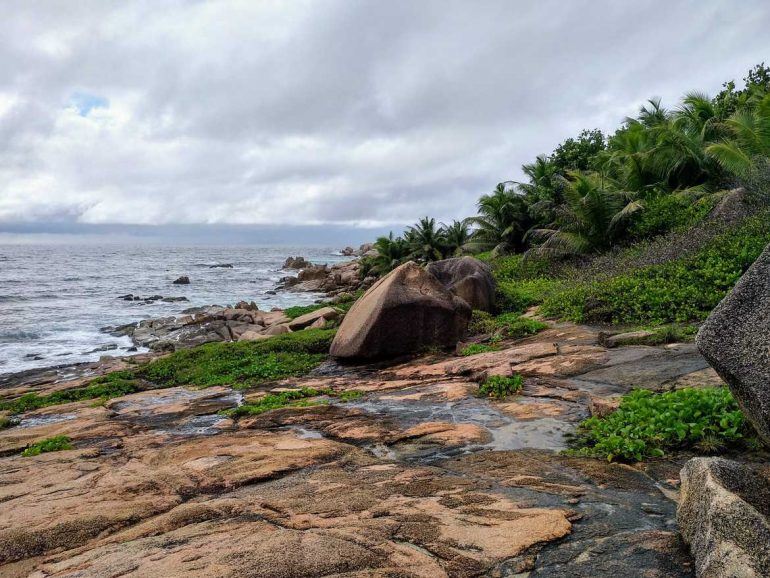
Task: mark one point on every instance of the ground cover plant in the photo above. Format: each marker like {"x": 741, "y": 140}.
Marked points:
{"x": 242, "y": 363}
{"x": 115, "y": 384}
{"x": 648, "y": 424}
{"x": 53, "y": 444}
{"x": 271, "y": 401}
{"x": 501, "y": 386}
{"x": 476, "y": 348}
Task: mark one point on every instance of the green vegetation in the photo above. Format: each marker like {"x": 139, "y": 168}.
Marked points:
{"x": 648, "y": 424}
{"x": 299, "y": 310}
{"x": 500, "y": 386}
{"x": 680, "y": 290}
{"x": 350, "y": 395}
{"x": 242, "y": 363}
{"x": 5, "y": 422}
{"x": 54, "y": 444}
{"x": 504, "y": 326}
{"x": 295, "y": 398}
{"x": 475, "y": 348}
{"x": 115, "y": 384}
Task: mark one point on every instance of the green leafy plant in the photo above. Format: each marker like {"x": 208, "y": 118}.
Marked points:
{"x": 294, "y": 398}
{"x": 115, "y": 384}
{"x": 513, "y": 326}
{"x": 475, "y": 348}
{"x": 54, "y": 444}
{"x": 350, "y": 395}
{"x": 501, "y": 386}
{"x": 648, "y": 424}
{"x": 299, "y": 310}
{"x": 242, "y": 363}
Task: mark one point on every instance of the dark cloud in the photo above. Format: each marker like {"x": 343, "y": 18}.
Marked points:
{"x": 327, "y": 113}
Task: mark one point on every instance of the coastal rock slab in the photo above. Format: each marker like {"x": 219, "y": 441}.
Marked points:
{"x": 468, "y": 278}
{"x": 723, "y": 515}
{"x": 308, "y": 319}
{"x": 404, "y": 312}
{"x": 735, "y": 340}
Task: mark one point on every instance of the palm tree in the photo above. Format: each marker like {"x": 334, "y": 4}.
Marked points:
{"x": 502, "y": 221}
{"x": 747, "y": 148}
{"x": 590, "y": 219}
{"x": 391, "y": 252}
{"x": 543, "y": 191}
{"x": 456, "y": 236}
{"x": 426, "y": 240}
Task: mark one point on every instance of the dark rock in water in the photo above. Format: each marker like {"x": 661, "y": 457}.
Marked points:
{"x": 405, "y": 312}
{"x": 129, "y": 297}
{"x": 183, "y": 280}
{"x": 108, "y": 347}
{"x": 221, "y": 266}
{"x": 271, "y": 292}
{"x": 468, "y": 278}
{"x": 296, "y": 263}
{"x": 132, "y": 349}
{"x": 34, "y": 356}
{"x": 174, "y": 299}
{"x": 723, "y": 515}
{"x": 735, "y": 340}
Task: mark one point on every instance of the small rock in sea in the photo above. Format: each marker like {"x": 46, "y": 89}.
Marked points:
{"x": 221, "y": 266}
{"x": 174, "y": 299}
{"x": 271, "y": 292}
{"x": 34, "y": 356}
{"x": 108, "y": 347}
{"x": 183, "y": 280}
{"x": 128, "y": 297}
{"x": 296, "y": 263}
{"x": 132, "y": 349}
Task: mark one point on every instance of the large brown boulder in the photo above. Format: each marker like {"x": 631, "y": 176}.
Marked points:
{"x": 404, "y": 312}
{"x": 735, "y": 340}
{"x": 468, "y": 278}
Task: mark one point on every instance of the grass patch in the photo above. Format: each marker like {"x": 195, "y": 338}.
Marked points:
{"x": 475, "y": 348}
{"x": 350, "y": 395}
{"x": 54, "y": 444}
{"x": 505, "y": 326}
{"x": 242, "y": 363}
{"x": 648, "y": 424}
{"x": 5, "y": 422}
{"x": 501, "y": 386}
{"x": 674, "y": 292}
{"x": 271, "y": 401}
{"x": 115, "y": 384}
{"x": 299, "y": 310}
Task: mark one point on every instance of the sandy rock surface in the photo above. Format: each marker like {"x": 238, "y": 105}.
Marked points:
{"x": 417, "y": 477}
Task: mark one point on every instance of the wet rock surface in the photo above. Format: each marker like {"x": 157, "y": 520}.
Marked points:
{"x": 417, "y": 477}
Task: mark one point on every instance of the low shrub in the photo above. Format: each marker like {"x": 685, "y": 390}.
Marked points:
{"x": 242, "y": 363}
{"x": 475, "y": 348}
{"x": 54, "y": 444}
{"x": 513, "y": 326}
{"x": 299, "y": 310}
{"x": 518, "y": 296}
{"x": 669, "y": 212}
{"x": 674, "y": 292}
{"x": 648, "y": 424}
{"x": 501, "y": 386}
{"x": 481, "y": 323}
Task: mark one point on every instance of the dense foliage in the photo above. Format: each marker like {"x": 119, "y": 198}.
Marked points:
{"x": 647, "y": 424}
{"x": 660, "y": 171}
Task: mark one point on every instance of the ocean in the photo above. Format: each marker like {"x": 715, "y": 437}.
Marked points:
{"x": 55, "y": 299}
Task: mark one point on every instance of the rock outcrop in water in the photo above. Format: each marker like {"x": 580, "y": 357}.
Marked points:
{"x": 735, "y": 339}
{"x": 468, "y": 278}
{"x": 405, "y": 312}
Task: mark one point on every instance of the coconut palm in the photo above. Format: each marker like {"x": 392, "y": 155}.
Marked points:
{"x": 502, "y": 221}
{"x": 391, "y": 252}
{"x": 456, "y": 236}
{"x": 426, "y": 240}
{"x": 747, "y": 148}
{"x": 590, "y": 219}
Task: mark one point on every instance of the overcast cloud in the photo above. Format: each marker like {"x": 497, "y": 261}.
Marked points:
{"x": 352, "y": 113}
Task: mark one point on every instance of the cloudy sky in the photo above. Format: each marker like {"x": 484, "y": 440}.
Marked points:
{"x": 330, "y": 114}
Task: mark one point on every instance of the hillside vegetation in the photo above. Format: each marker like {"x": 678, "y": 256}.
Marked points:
{"x": 651, "y": 225}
